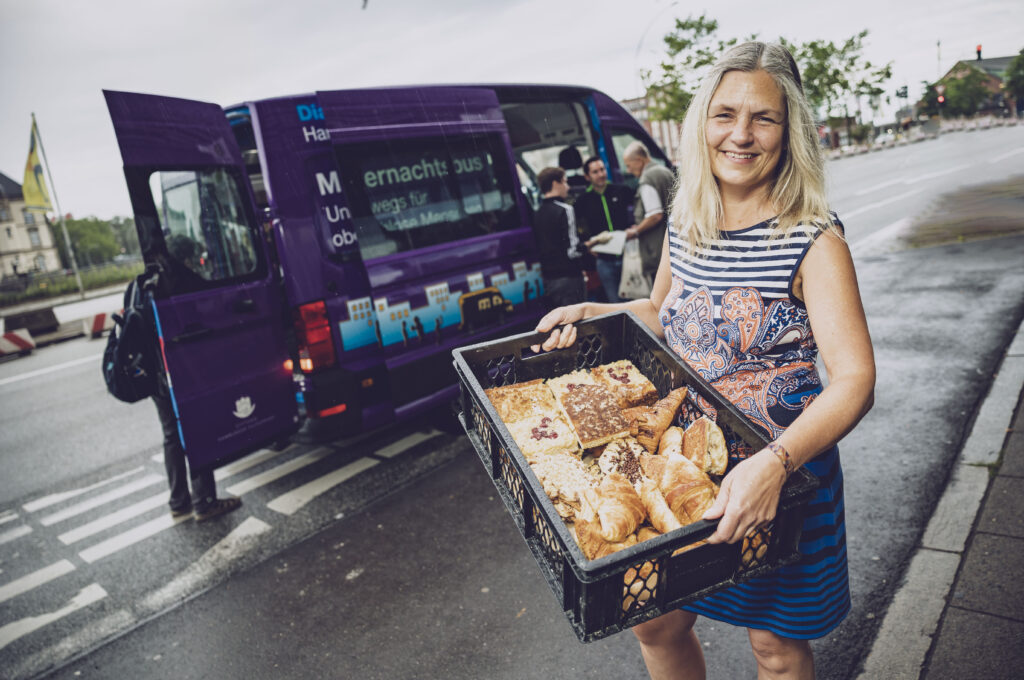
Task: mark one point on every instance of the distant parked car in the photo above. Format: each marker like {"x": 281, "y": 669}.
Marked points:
{"x": 886, "y": 138}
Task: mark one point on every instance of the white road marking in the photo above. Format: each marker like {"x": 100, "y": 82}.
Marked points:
{"x": 289, "y": 503}
{"x": 16, "y": 532}
{"x": 883, "y": 185}
{"x": 85, "y": 506}
{"x": 407, "y": 442}
{"x": 35, "y": 579}
{"x": 49, "y": 369}
{"x": 113, "y": 519}
{"x": 16, "y": 629}
{"x": 275, "y": 473}
{"x": 53, "y": 499}
{"x": 937, "y": 173}
{"x": 213, "y": 563}
{"x": 1004, "y": 156}
{"x": 158, "y": 457}
{"x": 86, "y": 637}
{"x": 8, "y": 516}
{"x": 884, "y": 234}
{"x": 878, "y": 204}
{"x": 131, "y": 537}
{"x": 249, "y": 461}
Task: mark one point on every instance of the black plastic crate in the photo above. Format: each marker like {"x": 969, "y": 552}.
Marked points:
{"x": 604, "y": 596}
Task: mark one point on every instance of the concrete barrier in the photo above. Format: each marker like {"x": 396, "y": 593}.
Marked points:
{"x": 97, "y": 325}
{"x": 16, "y": 342}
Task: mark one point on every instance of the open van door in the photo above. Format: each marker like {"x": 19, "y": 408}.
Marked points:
{"x": 219, "y": 309}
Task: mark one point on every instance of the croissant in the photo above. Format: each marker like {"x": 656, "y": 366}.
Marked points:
{"x": 688, "y": 491}
{"x": 658, "y": 512}
{"x": 619, "y": 509}
{"x": 593, "y": 544}
{"x": 652, "y": 425}
{"x": 704, "y": 444}
{"x": 671, "y": 441}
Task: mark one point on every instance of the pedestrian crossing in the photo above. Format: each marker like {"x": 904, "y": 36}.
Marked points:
{"x": 62, "y": 554}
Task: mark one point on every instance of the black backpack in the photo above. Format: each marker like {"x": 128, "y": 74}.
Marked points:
{"x": 130, "y": 361}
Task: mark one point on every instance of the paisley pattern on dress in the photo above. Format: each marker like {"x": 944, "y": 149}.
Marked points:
{"x": 731, "y": 316}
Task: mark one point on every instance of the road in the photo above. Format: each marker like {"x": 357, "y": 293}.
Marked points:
{"x": 87, "y": 551}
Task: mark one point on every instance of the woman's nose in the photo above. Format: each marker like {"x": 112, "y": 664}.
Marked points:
{"x": 742, "y": 131}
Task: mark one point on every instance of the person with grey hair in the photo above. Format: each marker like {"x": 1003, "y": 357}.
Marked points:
{"x": 756, "y": 278}
{"x": 654, "y": 194}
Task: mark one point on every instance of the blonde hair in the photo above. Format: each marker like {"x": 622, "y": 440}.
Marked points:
{"x": 798, "y": 190}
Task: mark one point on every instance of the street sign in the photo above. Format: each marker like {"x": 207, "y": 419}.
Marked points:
{"x": 941, "y": 89}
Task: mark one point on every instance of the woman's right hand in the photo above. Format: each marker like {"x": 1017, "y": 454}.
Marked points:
{"x": 559, "y": 321}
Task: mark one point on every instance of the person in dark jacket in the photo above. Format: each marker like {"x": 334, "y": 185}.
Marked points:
{"x": 604, "y": 206}
{"x": 558, "y": 241}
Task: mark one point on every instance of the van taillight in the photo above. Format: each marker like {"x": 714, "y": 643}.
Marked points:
{"x": 313, "y": 332}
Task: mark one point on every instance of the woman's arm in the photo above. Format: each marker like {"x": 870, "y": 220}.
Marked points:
{"x": 827, "y": 283}
{"x": 561, "y": 319}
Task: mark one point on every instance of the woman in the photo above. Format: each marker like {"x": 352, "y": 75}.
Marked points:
{"x": 755, "y": 278}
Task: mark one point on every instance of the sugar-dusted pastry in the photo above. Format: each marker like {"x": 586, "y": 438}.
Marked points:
{"x": 627, "y": 383}
{"x": 594, "y": 414}
{"x": 564, "y": 477}
{"x": 704, "y": 444}
{"x": 522, "y": 400}
{"x": 538, "y": 435}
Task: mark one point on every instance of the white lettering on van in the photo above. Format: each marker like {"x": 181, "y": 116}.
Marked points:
{"x": 312, "y": 133}
{"x": 336, "y": 213}
{"x": 343, "y": 238}
{"x": 425, "y": 169}
{"x": 328, "y": 184}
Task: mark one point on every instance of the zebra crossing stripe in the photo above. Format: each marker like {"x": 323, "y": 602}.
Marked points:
{"x": 16, "y": 532}
{"x": 35, "y": 579}
{"x": 130, "y": 537}
{"x": 392, "y": 450}
{"x": 53, "y": 499}
{"x": 16, "y": 629}
{"x": 113, "y": 519}
{"x": 275, "y": 473}
{"x": 289, "y": 503}
{"x": 86, "y": 506}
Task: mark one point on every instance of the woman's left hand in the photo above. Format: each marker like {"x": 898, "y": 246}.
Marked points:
{"x": 748, "y": 498}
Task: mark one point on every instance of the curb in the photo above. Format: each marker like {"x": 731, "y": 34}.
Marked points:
{"x": 16, "y": 342}
{"x": 912, "y": 619}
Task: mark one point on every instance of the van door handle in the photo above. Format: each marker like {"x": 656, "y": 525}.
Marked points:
{"x": 246, "y": 306}
{"x": 192, "y": 336}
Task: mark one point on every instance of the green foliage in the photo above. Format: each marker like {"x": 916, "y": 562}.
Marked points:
{"x": 125, "y": 235}
{"x": 965, "y": 93}
{"x": 691, "y": 48}
{"x": 832, "y": 73}
{"x": 51, "y": 285}
{"x": 1014, "y": 79}
{"x": 95, "y": 241}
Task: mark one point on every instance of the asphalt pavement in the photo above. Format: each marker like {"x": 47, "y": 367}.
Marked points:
{"x": 434, "y": 580}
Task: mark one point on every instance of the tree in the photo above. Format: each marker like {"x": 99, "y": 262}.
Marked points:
{"x": 691, "y": 48}
{"x": 125, "y": 234}
{"x": 93, "y": 241}
{"x": 834, "y": 74}
{"x": 966, "y": 93}
{"x": 1014, "y": 80}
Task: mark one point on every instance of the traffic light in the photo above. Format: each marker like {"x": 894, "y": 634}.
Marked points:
{"x": 942, "y": 99}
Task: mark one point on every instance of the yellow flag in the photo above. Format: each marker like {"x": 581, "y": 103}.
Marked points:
{"x": 33, "y": 188}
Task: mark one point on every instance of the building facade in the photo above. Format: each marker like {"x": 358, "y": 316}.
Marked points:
{"x": 26, "y": 242}
{"x": 665, "y": 133}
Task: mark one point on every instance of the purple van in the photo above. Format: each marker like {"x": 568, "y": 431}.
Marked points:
{"x": 321, "y": 255}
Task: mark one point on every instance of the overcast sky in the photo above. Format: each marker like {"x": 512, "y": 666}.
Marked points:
{"x": 56, "y": 57}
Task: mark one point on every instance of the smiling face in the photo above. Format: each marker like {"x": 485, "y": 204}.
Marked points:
{"x": 745, "y": 130}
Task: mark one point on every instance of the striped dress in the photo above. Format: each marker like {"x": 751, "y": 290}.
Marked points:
{"x": 731, "y": 314}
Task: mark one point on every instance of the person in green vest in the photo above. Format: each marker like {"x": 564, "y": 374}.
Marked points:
{"x": 652, "y": 207}
{"x": 604, "y": 206}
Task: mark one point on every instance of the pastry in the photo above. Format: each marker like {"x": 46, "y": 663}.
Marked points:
{"x": 659, "y": 513}
{"x": 617, "y": 506}
{"x": 564, "y": 477}
{"x": 704, "y": 444}
{"x": 538, "y": 435}
{"x": 671, "y": 441}
{"x": 593, "y": 413}
{"x": 650, "y": 426}
{"x": 522, "y": 400}
{"x": 563, "y": 383}
{"x": 593, "y": 544}
{"x": 627, "y": 383}
{"x": 688, "y": 491}
{"x": 622, "y": 456}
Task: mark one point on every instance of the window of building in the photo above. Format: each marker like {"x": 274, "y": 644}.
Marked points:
{"x": 9, "y": 233}
{"x": 426, "y": 192}
{"x": 33, "y": 236}
{"x": 5, "y": 213}
{"x": 30, "y": 218}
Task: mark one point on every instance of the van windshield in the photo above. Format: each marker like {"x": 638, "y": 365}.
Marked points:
{"x": 410, "y": 194}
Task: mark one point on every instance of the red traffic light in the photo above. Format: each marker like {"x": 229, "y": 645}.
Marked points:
{"x": 942, "y": 99}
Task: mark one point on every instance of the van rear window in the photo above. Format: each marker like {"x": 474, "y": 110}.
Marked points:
{"x": 409, "y": 194}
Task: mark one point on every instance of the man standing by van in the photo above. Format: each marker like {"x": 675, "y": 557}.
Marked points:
{"x": 651, "y": 212}
{"x": 604, "y": 207}
{"x": 558, "y": 242}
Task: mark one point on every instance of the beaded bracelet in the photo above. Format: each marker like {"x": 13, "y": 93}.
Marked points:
{"x": 783, "y": 455}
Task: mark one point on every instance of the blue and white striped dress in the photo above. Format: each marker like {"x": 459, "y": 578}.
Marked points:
{"x": 731, "y": 314}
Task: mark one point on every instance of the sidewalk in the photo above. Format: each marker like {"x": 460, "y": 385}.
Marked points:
{"x": 960, "y": 611}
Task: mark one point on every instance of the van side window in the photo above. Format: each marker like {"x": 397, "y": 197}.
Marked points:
{"x": 205, "y": 227}
{"x": 417, "y": 193}
{"x": 623, "y": 138}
